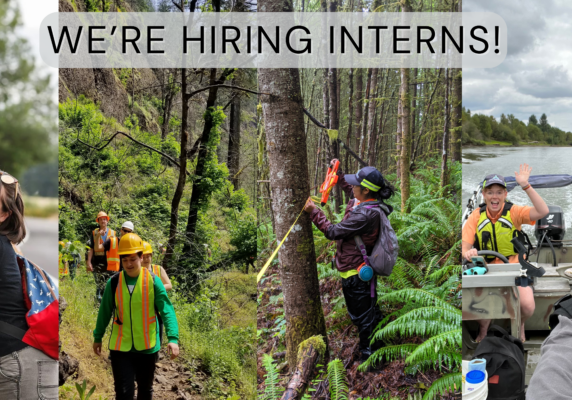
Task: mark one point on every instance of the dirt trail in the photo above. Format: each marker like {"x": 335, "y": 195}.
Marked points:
{"x": 174, "y": 381}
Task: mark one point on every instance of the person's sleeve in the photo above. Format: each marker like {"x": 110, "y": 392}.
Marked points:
{"x": 520, "y": 215}
{"x": 553, "y": 374}
{"x": 470, "y": 227}
{"x": 104, "y": 314}
{"x": 346, "y": 187}
{"x": 166, "y": 311}
{"x": 356, "y": 224}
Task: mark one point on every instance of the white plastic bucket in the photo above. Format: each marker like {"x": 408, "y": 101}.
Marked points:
{"x": 474, "y": 392}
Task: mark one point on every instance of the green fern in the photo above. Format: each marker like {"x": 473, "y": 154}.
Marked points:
{"x": 337, "y": 378}
{"x": 272, "y": 390}
{"x": 446, "y": 383}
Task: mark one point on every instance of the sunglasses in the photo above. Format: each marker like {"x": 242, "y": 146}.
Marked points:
{"x": 8, "y": 179}
{"x": 125, "y": 230}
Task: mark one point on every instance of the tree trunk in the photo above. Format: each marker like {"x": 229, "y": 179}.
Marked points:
{"x": 413, "y": 109}
{"x": 350, "y": 120}
{"x": 456, "y": 120}
{"x": 445, "y": 144}
{"x": 233, "y": 159}
{"x": 371, "y": 122}
{"x": 172, "y": 240}
{"x": 287, "y": 154}
{"x": 406, "y": 137}
{"x": 196, "y": 195}
{"x": 358, "y": 111}
{"x": 367, "y": 96}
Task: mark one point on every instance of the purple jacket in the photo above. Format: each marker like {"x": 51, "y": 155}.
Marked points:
{"x": 363, "y": 222}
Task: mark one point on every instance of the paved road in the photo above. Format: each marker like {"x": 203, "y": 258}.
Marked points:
{"x": 41, "y": 244}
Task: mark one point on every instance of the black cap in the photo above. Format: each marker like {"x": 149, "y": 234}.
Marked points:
{"x": 494, "y": 179}
{"x": 368, "y": 177}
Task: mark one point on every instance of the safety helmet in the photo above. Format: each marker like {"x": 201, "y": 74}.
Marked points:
{"x": 101, "y": 214}
{"x": 147, "y": 249}
{"x": 62, "y": 243}
{"x": 128, "y": 225}
{"x": 130, "y": 243}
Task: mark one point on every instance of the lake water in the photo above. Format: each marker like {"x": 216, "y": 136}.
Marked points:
{"x": 481, "y": 161}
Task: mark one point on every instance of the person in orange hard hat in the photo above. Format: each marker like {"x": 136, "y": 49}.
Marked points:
{"x": 96, "y": 257}
{"x": 133, "y": 299}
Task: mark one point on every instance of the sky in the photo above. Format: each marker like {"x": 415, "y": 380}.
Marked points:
{"x": 33, "y": 12}
{"x": 535, "y": 77}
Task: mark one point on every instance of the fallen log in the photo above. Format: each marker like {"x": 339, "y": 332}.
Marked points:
{"x": 309, "y": 352}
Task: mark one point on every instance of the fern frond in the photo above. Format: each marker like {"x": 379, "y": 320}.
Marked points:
{"x": 337, "y": 378}
{"x": 421, "y": 297}
{"x": 390, "y": 353}
{"x": 429, "y": 350}
{"x": 272, "y": 390}
{"x": 446, "y": 383}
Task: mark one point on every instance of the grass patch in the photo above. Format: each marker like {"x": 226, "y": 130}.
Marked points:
{"x": 41, "y": 207}
{"x": 216, "y": 335}
{"x": 496, "y": 143}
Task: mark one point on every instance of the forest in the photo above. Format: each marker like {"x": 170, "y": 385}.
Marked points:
{"x": 406, "y": 123}
{"x": 480, "y": 130}
{"x": 174, "y": 151}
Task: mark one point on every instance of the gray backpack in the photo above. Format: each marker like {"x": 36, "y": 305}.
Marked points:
{"x": 384, "y": 253}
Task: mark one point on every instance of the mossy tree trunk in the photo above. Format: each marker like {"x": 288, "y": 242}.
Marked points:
{"x": 289, "y": 181}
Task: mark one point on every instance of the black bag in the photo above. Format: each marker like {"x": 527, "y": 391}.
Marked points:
{"x": 562, "y": 307}
{"x": 505, "y": 364}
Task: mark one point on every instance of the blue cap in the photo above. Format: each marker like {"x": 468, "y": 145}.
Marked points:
{"x": 368, "y": 177}
{"x": 475, "y": 377}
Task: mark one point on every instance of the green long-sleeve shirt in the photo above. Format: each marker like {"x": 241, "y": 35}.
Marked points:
{"x": 162, "y": 304}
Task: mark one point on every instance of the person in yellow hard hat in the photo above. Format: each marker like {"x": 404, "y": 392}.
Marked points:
{"x": 96, "y": 257}
{"x": 63, "y": 265}
{"x": 134, "y": 298}
{"x": 156, "y": 269}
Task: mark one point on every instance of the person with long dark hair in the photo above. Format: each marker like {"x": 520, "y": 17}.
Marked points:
{"x": 366, "y": 187}
{"x": 26, "y": 373}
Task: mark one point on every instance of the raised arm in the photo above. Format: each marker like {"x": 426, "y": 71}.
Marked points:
{"x": 540, "y": 209}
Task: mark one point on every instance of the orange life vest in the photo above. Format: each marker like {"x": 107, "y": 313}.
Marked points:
{"x": 98, "y": 241}
{"x": 113, "y": 254}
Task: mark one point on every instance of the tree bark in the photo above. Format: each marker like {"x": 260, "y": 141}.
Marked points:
{"x": 287, "y": 155}
{"x": 350, "y": 121}
{"x": 358, "y": 110}
{"x": 456, "y": 120}
{"x": 233, "y": 159}
{"x": 445, "y": 144}
{"x": 176, "y": 201}
{"x": 363, "y": 133}
{"x": 406, "y": 138}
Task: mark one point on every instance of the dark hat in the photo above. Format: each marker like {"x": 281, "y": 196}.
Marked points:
{"x": 368, "y": 177}
{"x": 494, "y": 179}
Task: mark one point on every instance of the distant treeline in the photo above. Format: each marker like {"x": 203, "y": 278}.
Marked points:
{"x": 479, "y": 128}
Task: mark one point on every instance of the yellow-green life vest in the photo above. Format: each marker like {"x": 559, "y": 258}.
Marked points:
{"x": 156, "y": 270}
{"x": 497, "y": 236}
{"x": 134, "y": 323}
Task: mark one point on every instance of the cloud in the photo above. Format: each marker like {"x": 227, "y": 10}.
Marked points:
{"x": 535, "y": 76}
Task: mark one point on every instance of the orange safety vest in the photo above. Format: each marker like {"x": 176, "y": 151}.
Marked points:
{"x": 98, "y": 241}
{"x": 63, "y": 268}
{"x": 113, "y": 255}
{"x": 156, "y": 270}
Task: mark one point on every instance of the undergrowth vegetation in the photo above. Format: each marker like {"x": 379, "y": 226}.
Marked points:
{"x": 421, "y": 299}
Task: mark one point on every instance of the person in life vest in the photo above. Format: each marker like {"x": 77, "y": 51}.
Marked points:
{"x": 96, "y": 257}
{"x": 495, "y": 223}
{"x": 21, "y": 365}
{"x": 111, "y": 247}
{"x": 157, "y": 269}
{"x": 133, "y": 298}
{"x": 368, "y": 184}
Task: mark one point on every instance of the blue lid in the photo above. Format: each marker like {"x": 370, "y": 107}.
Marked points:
{"x": 475, "y": 376}
{"x": 365, "y": 273}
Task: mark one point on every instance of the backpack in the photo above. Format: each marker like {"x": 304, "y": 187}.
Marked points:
{"x": 41, "y": 299}
{"x": 384, "y": 254}
{"x": 505, "y": 364}
{"x": 562, "y": 307}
